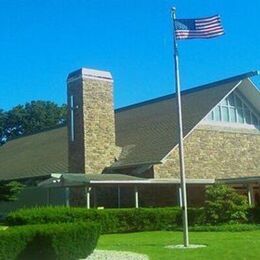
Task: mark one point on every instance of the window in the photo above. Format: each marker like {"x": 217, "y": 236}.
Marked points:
{"x": 234, "y": 109}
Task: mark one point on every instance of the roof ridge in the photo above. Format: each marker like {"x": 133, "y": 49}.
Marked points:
{"x": 191, "y": 90}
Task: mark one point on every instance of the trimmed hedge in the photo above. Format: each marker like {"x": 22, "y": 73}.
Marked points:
{"x": 68, "y": 241}
{"x": 116, "y": 220}
{"x": 110, "y": 220}
{"x": 196, "y": 216}
{"x": 224, "y": 228}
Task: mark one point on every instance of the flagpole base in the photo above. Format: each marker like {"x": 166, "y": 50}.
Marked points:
{"x": 192, "y": 246}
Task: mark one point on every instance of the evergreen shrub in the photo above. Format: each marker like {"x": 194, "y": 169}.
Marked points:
{"x": 225, "y": 228}
{"x": 68, "y": 241}
{"x": 196, "y": 216}
{"x": 224, "y": 205}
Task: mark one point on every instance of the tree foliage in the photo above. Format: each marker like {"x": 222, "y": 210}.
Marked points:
{"x": 224, "y": 205}
{"x": 33, "y": 117}
{"x": 10, "y": 191}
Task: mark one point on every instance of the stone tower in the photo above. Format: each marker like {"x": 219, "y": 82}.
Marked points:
{"x": 91, "y": 122}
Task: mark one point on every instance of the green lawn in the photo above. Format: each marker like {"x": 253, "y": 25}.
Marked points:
{"x": 3, "y": 227}
{"x": 220, "y": 245}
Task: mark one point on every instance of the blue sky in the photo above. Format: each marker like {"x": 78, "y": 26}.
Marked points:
{"x": 42, "y": 41}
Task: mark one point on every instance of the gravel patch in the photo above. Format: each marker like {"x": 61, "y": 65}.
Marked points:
{"x": 115, "y": 255}
{"x": 183, "y": 247}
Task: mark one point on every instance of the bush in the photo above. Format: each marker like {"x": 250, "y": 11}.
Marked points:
{"x": 224, "y": 205}
{"x": 196, "y": 216}
{"x": 13, "y": 241}
{"x": 224, "y": 228}
{"x": 50, "y": 241}
{"x": 110, "y": 220}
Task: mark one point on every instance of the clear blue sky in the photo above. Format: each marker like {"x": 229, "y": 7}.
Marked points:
{"x": 42, "y": 41}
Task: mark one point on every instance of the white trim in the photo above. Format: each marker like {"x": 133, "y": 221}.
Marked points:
{"x": 155, "y": 181}
{"x": 239, "y": 180}
{"x": 91, "y": 74}
{"x": 56, "y": 175}
{"x": 188, "y": 181}
{"x": 70, "y": 80}
{"x": 254, "y": 84}
{"x": 120, "y": 182}
{"x": 164, "y": 159}
{"x": 96, "y": 73}
{"x": 256, "y": 106}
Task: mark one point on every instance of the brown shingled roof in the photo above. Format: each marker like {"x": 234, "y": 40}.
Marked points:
{"x": 147, "y": 132}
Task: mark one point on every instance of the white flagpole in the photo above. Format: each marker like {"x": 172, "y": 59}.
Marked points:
{"x": 181, "y": 150}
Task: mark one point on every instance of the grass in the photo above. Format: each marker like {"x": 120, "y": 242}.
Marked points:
{"x": 220, "y": 245}
{"x": 3, "y": 227}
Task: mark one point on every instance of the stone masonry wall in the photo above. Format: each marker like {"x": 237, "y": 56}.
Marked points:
{"x": 215, "y": 153}
{"x": 99, "y": 125}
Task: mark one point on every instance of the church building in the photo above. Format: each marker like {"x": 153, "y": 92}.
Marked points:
{"x": 221, "y": 124}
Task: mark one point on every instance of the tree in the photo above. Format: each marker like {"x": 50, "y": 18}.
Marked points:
{"x": 224, "y": 205}
{"x": 2, "y": 127}
{"x": 33, "y": 117}
{"x": 41, "y": 115}
{"x": 10, "y": 191}
{"x": 14, "y": 121}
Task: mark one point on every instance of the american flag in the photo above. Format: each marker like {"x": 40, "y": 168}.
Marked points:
{"x": 201, "y": 28}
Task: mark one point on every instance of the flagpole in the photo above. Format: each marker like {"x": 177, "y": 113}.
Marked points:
{"x": 181, "y": 150}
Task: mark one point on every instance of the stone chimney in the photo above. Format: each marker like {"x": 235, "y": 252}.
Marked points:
{"x": 91, "y": 121}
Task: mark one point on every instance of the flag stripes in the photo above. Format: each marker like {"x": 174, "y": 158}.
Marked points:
{"x": 198, "y": 28}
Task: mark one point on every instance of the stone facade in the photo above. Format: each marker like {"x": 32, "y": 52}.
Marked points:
{"x": 93, "y": 148}
{"x": 215, "y": 152}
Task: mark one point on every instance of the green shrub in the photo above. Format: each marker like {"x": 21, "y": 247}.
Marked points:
{"x": 13, "y": 241}
{"x": 68, "y": 241}
{"x": 110, "y": 220}
{"x": 224, "y": 205}
{"x": 224, "y": 228}
{"x": 196, "y": 216}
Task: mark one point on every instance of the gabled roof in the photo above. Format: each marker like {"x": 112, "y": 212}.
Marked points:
{"x": 147, "y": 131}
{"x": 35, "y": 155}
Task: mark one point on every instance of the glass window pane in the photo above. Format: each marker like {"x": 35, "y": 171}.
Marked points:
{"x": 240, "y": 117}
{"x": 210, "y": 116}
{"x": 254, "y": 119}
{"x": 224, "y": 102}
{"x": 238, "y": 102}
{"x": 231, "y": 100}
{"x": 217, "y": 114}
{"x": 247, "y": 116}
{"x": 232, "y": 114}
{"x": 225, "y": 116}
